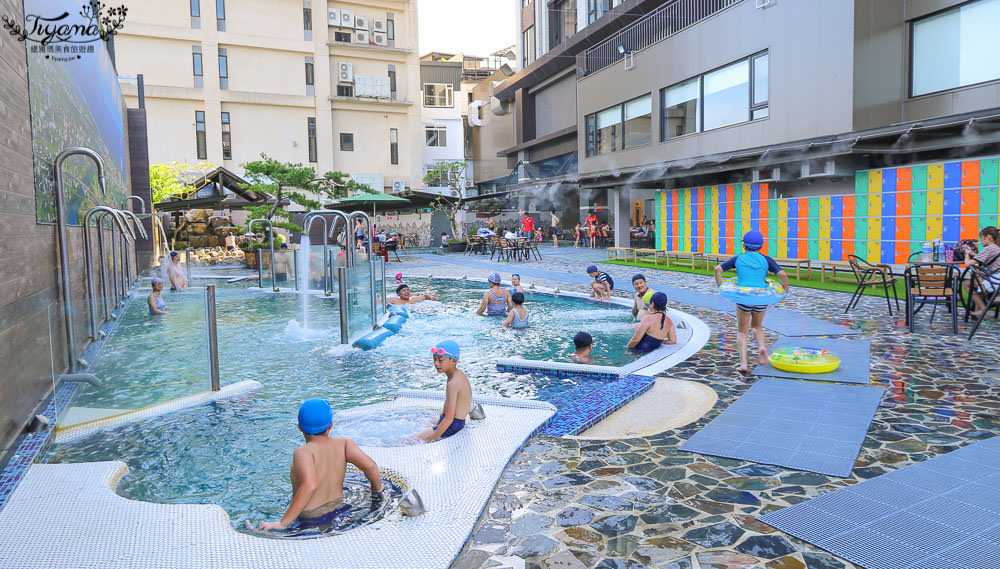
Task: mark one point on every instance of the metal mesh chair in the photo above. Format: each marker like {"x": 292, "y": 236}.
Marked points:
{"x": 931, "y": 283}
{"x": 869, "y": 275}
{"x": 989, "y": 287}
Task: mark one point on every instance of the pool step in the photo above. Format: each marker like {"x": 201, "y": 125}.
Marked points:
{"x": 577, "y": 416}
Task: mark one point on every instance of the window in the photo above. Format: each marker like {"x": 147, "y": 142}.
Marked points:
{"x": 590, "y": 134}
{"x": 345, "y": 90}
{"x": 562, "y": 21}
{"x": 680, "y": 109}
{"x": 199, "y": 135}
{"x": 223, "y": 69}
{"x": 311, "y": 137}
{"x": 609, "y": 128}
{"x": 955, "y": 48}
{"x": 195, "y": 14}
{"x": 390, "y": 27}
{"x": 227, "y": 141}
{"x": 392, "y": 81}
{"x": 307, "y": 16}
{"x": 220, "y": 15}
{"x": 343, "y": 37}
{"x": 436, "y": 136}
{"x": 638, "y": 122}
{"x": 732, "y": 94}
{"x": 393, "y": 146}
{"x": 528, "y": 47}
{"x": 347, "y": 142}
{"x": 596, "y": 9}
{"x": 438, "y": 94}
{"x": 196, "y": 65}
{"x": 310, "y": 72}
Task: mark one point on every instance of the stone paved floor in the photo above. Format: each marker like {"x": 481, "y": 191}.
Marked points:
{"x": 635, "y": 503}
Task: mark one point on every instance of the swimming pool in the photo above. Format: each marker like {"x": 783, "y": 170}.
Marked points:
{"x": 235, "y": 453}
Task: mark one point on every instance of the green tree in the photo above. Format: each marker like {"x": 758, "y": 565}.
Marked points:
{"x": 285, "y": 180}
{"x": 448, "y": 174}
{"x": 175, "y": 179}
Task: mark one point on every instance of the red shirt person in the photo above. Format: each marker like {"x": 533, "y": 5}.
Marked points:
{"x": 527, "y": 223}
{"x": 592, "y": 222}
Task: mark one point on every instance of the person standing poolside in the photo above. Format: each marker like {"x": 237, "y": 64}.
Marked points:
{"x": 230, "y": 242}
{"x": 527, "y": 224}
{"x": 643, "y": 294}
{"x": 154, "y": 300}
{"x": 404, "y": 296}
{"x": 491, "y": 224}
{"x": 554, "y": 220}
{"x": 444, "y": 240}
{"x": 496, "y": 301}
{"x": 457, "y": 393}
{"x": 751, "y": 271}
{"x": 655, "y": 329}
{"x": 518, "y": 315}
{"x": 989, "y": 260}
{"x": 318, "y": 469}
{"x": 576, "y": 236}
{"x": 602, "y": 285}
{"x": 178, "y": 282}
{"x": 592, "y": 223}
{"x": 583, "y": 343}
{"x": 515, "y": 284}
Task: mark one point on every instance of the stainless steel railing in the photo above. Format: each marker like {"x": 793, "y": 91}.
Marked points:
{"x": 260, "y": 258}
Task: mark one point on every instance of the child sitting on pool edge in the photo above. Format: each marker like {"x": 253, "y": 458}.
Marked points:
{"x": 318, "y": 469}
{"x": 602, "y": 285}
{"x": 457, "y": 393}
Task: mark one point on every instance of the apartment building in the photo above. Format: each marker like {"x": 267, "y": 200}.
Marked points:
{"x": 331, "y": 84}
{"x": 835, "y": 127}
{"x": 443, "y": 119}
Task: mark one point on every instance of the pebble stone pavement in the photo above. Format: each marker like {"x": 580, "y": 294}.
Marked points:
{"x": 642, "y": 503}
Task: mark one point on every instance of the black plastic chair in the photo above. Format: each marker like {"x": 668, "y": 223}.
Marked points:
{"x": 934, "y": 284}
{"x": 977, "y": 277}
{"x": 869, "y": 275}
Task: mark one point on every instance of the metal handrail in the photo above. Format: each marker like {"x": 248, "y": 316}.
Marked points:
{"x": 371, "y": 262}
{"x": 307, "y": 224}
{"x": 661, "y": 23}
{"x": 130, "y": 198}
{"x": 127, "y": 275}
{"x": 260, "y": 258}
{"x": 67, "y": 295}
{"x": 101, "y": 212}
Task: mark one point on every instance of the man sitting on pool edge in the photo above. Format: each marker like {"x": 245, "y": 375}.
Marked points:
{"x": 404, "y": 296}
{"x": 457, "y": 393}
{"x": 318, "y": 469}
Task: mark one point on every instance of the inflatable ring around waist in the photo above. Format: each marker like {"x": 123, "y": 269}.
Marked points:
{"x": 804, "y": 360}
{"x": 751, "y": 295}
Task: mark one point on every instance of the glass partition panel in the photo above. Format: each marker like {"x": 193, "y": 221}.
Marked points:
{"x": 380, "y": 287}
{"x": 359, "y": 299}
{"x": 146, "y": 358}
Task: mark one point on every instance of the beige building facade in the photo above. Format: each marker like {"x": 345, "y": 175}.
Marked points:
{"x": 333, "y": 85}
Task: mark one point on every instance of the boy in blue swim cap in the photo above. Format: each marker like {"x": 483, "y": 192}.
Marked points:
{"x": 751, "y": 270}
{"x": 318, "y": 469}
{"x": 457, "y": 393}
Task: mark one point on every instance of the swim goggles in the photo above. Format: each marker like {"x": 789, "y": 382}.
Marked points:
{"x": 442, "y": 352}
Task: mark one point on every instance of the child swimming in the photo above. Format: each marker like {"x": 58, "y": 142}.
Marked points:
{"x": 518, "y": 315}
{"x": 457, "y": 393}
{"x": 318, "y": 469}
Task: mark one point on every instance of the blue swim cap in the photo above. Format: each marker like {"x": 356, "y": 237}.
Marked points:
{"x": 515, "y": 275}
{"x": 447, "y": 348}
{"x": 494, "y": 278}
{"x": 753, "y": 240}
{"x": 156, "y": 280}
{"x": 592, "y": 269}
{"x": 315, "y": 416}
{"x": 659, "y": 300}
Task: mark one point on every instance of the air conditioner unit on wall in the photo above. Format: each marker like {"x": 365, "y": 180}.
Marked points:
{"x": 346, "y": 72}
{"x": 333, "y": 16}
{"x": 379, "y": 25}
{"x": 361, "y": 23}
{"x": 825, "y": 168}
{"x": 347, "y": 18}
{"x": 380, "y": 39}
{"x": 361, "y": 36}
{"x": 772, "y": 174}
{"x": 398, "y": 186}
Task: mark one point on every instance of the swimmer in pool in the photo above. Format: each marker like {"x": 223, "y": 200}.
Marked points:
{"x": 155, "y": 300}
{"x": 518, "y": 315}
{"x": 178, "y": 282}
{"x": 643, "y": 294}
{"x": 515, "y": 284}
{"x": 399, "y": 279}
{"x": 584, "y": 344}
{"x": 655, "y": 329}
{"x": 404, "y": 296}
{"x": 496, "y": 300}
{"x": 457, "y": 393}
{"x": 318, "y": 469}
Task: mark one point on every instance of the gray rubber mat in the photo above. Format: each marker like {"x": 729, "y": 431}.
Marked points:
{"x": 791, "y": 323}
{"x": 855, "y": 359}
{"x": 943, "y": 513}
{"x": 817, "y": 427}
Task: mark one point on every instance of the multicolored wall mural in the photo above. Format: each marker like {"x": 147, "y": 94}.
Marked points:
{"x": 891, "y": 213}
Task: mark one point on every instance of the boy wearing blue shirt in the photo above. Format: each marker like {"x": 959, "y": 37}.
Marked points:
{"x": 751, "y": 271}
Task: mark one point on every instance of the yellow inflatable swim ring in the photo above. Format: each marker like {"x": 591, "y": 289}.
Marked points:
{"x": 804, "y": 360}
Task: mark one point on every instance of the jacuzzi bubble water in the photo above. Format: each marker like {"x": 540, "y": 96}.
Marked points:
{"x": 236, "y": 453}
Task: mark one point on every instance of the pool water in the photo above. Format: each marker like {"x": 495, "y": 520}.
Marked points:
{"x": 236, "y": 452}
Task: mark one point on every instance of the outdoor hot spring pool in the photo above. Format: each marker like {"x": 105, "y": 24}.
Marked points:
{"x": 236, "y": 452}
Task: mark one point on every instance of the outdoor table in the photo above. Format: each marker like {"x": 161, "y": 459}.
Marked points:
{"x": 797, "y": 263}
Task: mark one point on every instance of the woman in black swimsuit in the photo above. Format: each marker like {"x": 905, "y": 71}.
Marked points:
{"x": 655, "y": 329}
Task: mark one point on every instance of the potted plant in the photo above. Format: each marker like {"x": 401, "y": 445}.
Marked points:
{"x": 457, "y": 245}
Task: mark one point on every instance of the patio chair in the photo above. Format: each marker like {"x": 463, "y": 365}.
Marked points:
{"x": 869, "y": 275}
{"x": 496, "y": 246}
{"x": 992, "y": 298}
{"x": 931, "y": 283}
{"x": 390, "y": 247}
{"x": 531, "y": 248}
